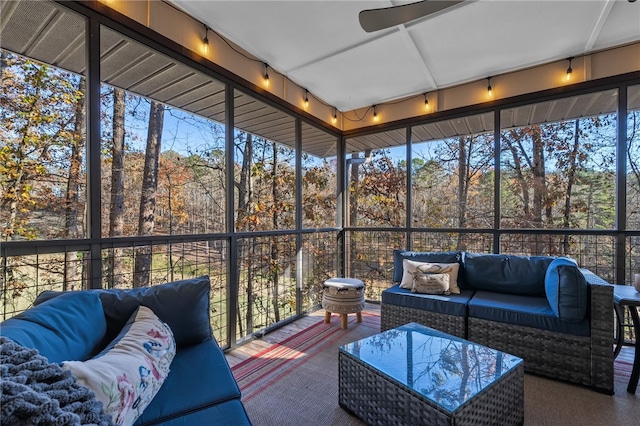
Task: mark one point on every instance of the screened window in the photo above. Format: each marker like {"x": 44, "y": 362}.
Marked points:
{"x": 319, "y": 178}
{"x": 264, "y": 168}
{"x": 42, "y": 123}
{"x": 376, "y": 173}
{"x": 163, "y": 143}
{"x": 452, "y": 173}
{"x": 558, "y": 163}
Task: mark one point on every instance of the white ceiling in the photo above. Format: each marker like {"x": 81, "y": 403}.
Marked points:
{"x": 320, "y": 45}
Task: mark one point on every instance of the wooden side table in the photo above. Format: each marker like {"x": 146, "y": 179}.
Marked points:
{"x": 627, "y": 296}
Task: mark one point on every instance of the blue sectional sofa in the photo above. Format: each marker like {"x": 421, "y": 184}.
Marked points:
{"x": 546, "y": 310}
{"x": 199, "y": 388}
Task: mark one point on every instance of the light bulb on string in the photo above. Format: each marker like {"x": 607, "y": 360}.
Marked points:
{"x": 569, "y": 70}
{"x": 205, "y": 41}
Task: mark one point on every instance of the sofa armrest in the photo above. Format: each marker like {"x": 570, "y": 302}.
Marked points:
{"x": 600, "y": 304}
{"x": 593, "y": 278}
{"x": 601, "y": 319}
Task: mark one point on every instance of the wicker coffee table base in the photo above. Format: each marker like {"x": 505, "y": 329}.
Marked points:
{"x": 377, "y": 400}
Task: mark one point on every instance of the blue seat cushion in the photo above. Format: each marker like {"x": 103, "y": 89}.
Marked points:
{"x": 417, "y": 256}
{"x": 69, "y": 327}
{"x": 453, "y": 304}
{"x": 503, "y": 273}
{"x": 183, "y": 305}
{"x": 527, "y": 311}
{"x": 229, "y": 413}
{"x": 200, "y": 376}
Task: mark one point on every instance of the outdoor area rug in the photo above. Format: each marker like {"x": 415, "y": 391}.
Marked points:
{"x": 295, "y": 382}
{"x": 298, "y": 353}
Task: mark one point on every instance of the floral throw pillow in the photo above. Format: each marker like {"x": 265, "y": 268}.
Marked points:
{"x": 126, "y": 377}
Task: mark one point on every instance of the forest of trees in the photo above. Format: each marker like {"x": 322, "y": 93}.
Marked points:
{"x": 163, "y": 172}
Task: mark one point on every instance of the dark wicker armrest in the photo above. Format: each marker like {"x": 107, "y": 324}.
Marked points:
{"x": 601, "y": 318}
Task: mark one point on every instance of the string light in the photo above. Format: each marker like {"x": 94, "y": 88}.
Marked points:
{"x": 489, "y": 88}
{"x": 375, "y": 114}
{"x": 426, "y": 102}
{"x": 205, "y": 41}
{"x": 306, "y": 98}
{"x": 569, "y": 70}
{"x": 266, "y": 74}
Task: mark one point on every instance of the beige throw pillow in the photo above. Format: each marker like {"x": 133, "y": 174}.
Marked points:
{"x": 430, "y": 283}
{"x": 409, "y": 268}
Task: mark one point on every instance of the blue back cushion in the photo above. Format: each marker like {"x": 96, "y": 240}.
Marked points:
{"x": 69, "y": 327}
{"x": 503, "y": 273}
{"x": 418, "y": 256}
{"x": 566, "y": 289}
{"x": 183, "y": 305}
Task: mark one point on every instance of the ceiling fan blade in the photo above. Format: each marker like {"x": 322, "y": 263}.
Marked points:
{"x": 378, "y": 19}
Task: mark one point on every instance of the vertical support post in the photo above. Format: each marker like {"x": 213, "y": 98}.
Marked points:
{"x": 342, "y": 200}
{"x": 232, "y": 255}
{"x": 299, "y": 225}
{"x": 621, "y": 185}
{"x": 94, "y": 203}
{"x": 409, "y": 192}
{"x": 496, "y": 181}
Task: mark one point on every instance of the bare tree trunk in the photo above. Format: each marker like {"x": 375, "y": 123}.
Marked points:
{"x": 571, "y": 176}
{"x": 73, "y": 186}
{"x": 353, "y": 200}
{"x": 463, "y": 173}
{"x": 522, "y": 181}
{"x": 539, "y": 184}
{"x": 146, "y": 218}
{"x": 538, "y": 178}
{"x": 116, "y": 211}
{"x": 245, "y": 197}
{"x": 353, "y": 208}
{"x": 244, "y": 186}
{"x": 171, "y": 273}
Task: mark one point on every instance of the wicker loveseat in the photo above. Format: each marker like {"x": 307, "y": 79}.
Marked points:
{"x": 546, "y": 310}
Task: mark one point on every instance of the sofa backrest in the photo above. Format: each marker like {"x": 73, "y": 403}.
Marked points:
{"x": 504, "y": 273}
{"x": 69, "y": 327}
{"x": 184, "y": 305}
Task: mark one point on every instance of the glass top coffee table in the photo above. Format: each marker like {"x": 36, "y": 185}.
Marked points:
{"x": 417, "y": 375}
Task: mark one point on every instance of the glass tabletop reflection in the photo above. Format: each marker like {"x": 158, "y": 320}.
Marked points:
{"x": 443, "y": 368}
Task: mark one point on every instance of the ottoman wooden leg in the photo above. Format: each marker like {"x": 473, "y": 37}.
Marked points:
{"x": 359, "y": 316}
{"x": 344, "y": 320}
{"x": 327, "y": 316}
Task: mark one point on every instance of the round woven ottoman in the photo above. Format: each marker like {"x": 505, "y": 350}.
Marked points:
{"x": 343, "y": 296}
